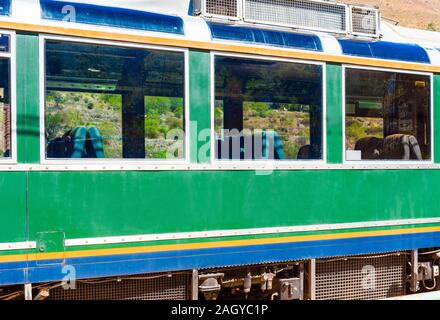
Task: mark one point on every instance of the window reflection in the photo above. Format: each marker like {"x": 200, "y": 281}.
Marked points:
{"x": 5, "y": 109}
{"x": 111, "y": 102}
{"x": 267, "y": 110}
{"x": 387, "y": 116}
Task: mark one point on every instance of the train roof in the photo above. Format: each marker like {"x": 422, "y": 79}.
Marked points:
{"x": 173, "y": 19}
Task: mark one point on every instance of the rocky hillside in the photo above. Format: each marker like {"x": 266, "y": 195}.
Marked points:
{"x": 420, "y": 14}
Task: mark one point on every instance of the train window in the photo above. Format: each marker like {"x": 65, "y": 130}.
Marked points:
{"x": 5, "y": 109}
{"x": 387, "y": 116}
{"x": 267, "y": 110}
{"x": 111, "y": 102}
{"x": 5, "y": 41}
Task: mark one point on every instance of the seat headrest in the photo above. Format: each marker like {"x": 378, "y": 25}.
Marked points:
{"x": 94, "y": 144}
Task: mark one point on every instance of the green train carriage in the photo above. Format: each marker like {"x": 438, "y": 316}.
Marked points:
{"x": 211, "y": 152}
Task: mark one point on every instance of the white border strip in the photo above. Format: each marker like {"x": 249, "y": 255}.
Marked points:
{"x": 242, "y": 232}
{"x": 268, "y": 168}
{"x": 18, "y": 245}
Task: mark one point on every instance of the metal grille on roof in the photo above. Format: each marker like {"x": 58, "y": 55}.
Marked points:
{"x": 364, "y": 21}
{"x": 227, "y": 8}
{"x": 308, "y": 14}
{"x": 315, "y": 15}
{"x": 361, "y": 277}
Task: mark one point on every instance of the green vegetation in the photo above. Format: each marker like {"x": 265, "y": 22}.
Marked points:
{"x": 431, "y": 27}
{"x": 291, "y": 124}
{"x": 290, "y": 121}
{"x": 164, "y": 117}
{"x": 68, "y": 110}
{"x": 2, "y": 132}
{"x": 362, "y": 127}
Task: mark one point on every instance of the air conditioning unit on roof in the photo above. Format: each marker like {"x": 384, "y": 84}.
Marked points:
{"x": 316, "y": 15}
{"x": 365, "y": 21}
{"x": 306, "y": 14}
{"x": 226, "y": 9}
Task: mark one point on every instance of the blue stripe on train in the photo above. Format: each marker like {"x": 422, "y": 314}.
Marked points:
{"x": 385, "y": 50}
{"x": 13, "y": 272}
{"x": 15, "y": 276}
{"x": 110, "y": 16}
{"x": 118, "y": 265}
{"x": 265, "y": 37}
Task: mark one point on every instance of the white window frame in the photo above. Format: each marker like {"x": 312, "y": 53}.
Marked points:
{"x": 278, "y": 164}
{"x": 110, "y": 162}
{"x": 12, "y": 56}
{"x": 385, "y": 163}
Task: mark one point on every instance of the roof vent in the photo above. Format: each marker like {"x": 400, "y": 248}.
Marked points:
{"x": 365, "y": 21}
{"x": 226, "y": 9}
{"x": 316, "y": 15}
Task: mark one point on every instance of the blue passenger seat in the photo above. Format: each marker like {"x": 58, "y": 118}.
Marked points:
{"x": 235, "y": 147}
{"x": 94, "y": 144}
{"x": 272, "y": 137}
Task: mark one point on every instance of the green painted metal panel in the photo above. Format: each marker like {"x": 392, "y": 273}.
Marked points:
{"x": 334, "y": 113}
{"x": 436, "y": 114}
{"x": 97, "y": 204}
{"x": 200, "y": 106}
{"x": 13, "y": 207}
{"x": 50, "y": 241}
{"x": 28, "y": 128}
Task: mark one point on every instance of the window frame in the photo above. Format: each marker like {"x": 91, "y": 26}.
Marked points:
{"x": 384, "y": 163}
{"x": 110, "y": 162}
{"x": 12, "y": 56}
{"x": 277, "y": 164}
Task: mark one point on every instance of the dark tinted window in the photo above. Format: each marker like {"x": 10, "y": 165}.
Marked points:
{"x": 5, "y": 109}
{"x": 388, "y": 116}
{"x": 113, "y": 102}
{"x": 267, "y": 110}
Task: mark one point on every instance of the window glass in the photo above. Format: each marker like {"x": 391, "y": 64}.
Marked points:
{"x": 387, "y": 116}
{"x": 267, "y": 110}
{"x": 114, "y": 103}
{"x": 5, "y": 41}
{"x": 5, "y": 109}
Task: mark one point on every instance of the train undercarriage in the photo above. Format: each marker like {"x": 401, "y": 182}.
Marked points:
{"x": 367, "y": 277}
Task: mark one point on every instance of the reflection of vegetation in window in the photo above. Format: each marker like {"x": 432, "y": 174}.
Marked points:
{"x": 2, "y": 130}
{"x": 388, "y": 113}
{"x": 5, "y": 110}
{"x": 66, "y": 111}
{"x": 218, "y": 116}
{"x": 282, "y": 97}
{"x": 164, "y": 116}
{"x": 290, "y": 121}
{"x": 362, "y": 127}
